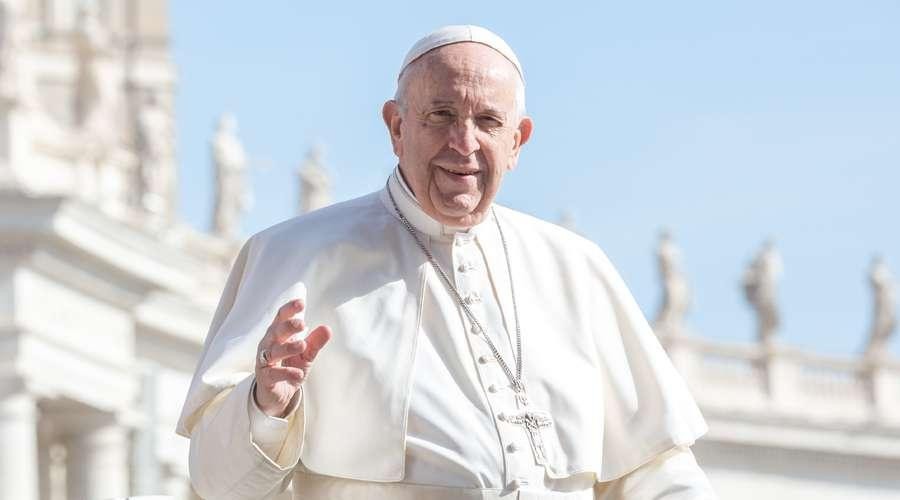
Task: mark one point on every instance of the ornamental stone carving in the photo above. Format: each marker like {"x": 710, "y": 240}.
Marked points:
{"x": 760, "y": 289}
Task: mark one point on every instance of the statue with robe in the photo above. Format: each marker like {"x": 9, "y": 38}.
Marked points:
{"x": 760, "y": 284}
{"x": 155, "y": 148}
{"x": 676, "y": 291}
{"x": 884, "y": 313}
{"x": 8, "y": 70}
{"x": 233, "y": 197}
{"x": 315, "y": 185}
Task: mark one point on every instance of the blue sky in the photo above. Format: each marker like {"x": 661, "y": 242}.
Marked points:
{"x": 727, "y": 123}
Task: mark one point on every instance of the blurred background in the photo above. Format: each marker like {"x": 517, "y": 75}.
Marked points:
{"x": 740, "y": 165}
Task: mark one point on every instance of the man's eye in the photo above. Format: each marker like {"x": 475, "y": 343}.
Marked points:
{"x": 490, "y": 121}
{"x": 441, "y": 115}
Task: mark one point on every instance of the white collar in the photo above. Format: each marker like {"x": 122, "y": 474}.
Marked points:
{"x": 421, "y": 221}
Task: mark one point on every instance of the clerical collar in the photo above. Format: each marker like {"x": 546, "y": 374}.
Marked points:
{"x": 411, "y": 209}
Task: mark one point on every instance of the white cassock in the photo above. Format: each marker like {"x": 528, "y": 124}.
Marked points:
{"x": 407, "y": 401}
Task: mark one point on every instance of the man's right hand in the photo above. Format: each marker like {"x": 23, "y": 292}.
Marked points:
{"x": 289, "y": 359}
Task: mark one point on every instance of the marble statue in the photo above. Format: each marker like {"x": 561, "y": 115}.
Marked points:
{"x": 155, "y": 148}
{"x": 17, "y": 88}
{"x": 232, "y": 194}
{"x": 884, "y": 312}
{"x": 760, "y": 283}
{"x": 93, "y": 88}
{"x": 8, "y": 70}
{"x": 567, "y": 220}
{"x": 98, "y": 105}
{"x": 676, "y": 291}
{"x": 315, "y": 185}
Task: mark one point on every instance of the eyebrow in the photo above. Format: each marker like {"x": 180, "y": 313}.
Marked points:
{"x": 489, "y": 109}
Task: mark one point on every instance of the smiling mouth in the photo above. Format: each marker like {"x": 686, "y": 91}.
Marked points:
{"x": 460, "y": 173}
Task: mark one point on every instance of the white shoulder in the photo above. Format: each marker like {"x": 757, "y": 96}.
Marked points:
{"x": 548, "y": 233}
{"x": 344, "y": 222}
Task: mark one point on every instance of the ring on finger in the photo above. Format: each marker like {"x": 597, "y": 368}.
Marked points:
{"x": 264, "y": 358}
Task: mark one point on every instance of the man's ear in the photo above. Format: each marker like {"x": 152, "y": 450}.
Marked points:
{"x": 523, "y": 133}
{"x": 391, "y": 114}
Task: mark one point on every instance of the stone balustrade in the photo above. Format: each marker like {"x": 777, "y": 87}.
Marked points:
{"x": 777, "y": 379}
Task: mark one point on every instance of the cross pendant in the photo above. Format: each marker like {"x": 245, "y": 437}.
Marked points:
{"x": 533, "y": 422}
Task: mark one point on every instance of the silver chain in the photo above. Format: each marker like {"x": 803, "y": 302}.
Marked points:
{"x": 516, "y": 379}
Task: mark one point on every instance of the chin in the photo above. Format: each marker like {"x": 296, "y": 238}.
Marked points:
{"x": 464, "y": 219}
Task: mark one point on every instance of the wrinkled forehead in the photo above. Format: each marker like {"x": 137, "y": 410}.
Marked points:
{"x": 472, "y": 57}
{"x": 468, "y": 64}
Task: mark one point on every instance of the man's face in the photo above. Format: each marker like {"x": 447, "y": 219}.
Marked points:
{"x": 457, "y": 132}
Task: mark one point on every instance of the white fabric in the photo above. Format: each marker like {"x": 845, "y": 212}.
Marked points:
{"x": 673, "y": 475}
{"x": 268, "y": 432}
{"x": 453, "y": 436}
{"x": 590, "y": 358}
{"x": 447, "y": 443}
{"x": 224, "y": 461}
{"x": 461, "y": 33}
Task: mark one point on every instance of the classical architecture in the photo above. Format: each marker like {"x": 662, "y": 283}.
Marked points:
{"x": 783, "y": 423}
{"x": 106, "y": 295}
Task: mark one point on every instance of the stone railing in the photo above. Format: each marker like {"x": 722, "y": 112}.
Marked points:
{"x": 779, "y": 380}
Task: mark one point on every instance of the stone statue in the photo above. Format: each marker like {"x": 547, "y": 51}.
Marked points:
{"x": 16, "y": 85}
{"x": 567, "y": 220}
{"x": 155, "y": 148}
{"x": 98, "y": 106}
{"x": 232, "y": 194}
{"x": 8, "y": 69}
{"x": 676, "y": 292}
{"x": 95, "y": 87}
{"x": 315, "y": 186}
{"x": 90, "y": 25}
{"x": 760, "y": 283}
{"x": 884, "y": 313}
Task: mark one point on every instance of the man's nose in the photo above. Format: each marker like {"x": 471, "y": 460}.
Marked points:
{"x": 462, "y": 137}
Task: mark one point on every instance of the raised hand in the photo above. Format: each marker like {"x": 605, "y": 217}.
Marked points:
{"x": 283, "y": 361}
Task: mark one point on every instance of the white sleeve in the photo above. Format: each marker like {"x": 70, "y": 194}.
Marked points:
{"x": 267, "y": 432}
{"x": 227, "y": 462}
{"x": 673, "y": 475}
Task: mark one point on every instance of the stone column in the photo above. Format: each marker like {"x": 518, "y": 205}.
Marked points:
{"x": 97, "y": 458}
{"x": 883, "y": 382}
{"x": 683, "y": 354}
{"x": 18, "y": 447}
{"x": 45, "y": 459}
{"x": 781, "y": 372}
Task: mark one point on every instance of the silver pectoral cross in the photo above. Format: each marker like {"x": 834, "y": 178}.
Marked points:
{"x": 533, "y": 422}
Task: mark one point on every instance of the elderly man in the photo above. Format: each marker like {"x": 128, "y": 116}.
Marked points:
{"x": 463, "y": 350}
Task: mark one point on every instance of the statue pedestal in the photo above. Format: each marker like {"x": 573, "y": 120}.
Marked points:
{"x": 678, "y": 345}
{"x": 781, "y": 373}
{"x": 882, "y": 378}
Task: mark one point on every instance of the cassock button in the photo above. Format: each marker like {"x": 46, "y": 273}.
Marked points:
{"x": 493, "y": 388}
{"x": 512, "y": 447}
{"x": 484, "y": 359}
{"x": 515, "y": 484}
{"x": 474, "y": 329}
{"x": 501, "y": 417}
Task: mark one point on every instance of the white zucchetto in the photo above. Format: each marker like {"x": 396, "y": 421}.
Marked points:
{"x": 461, "y": 33}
